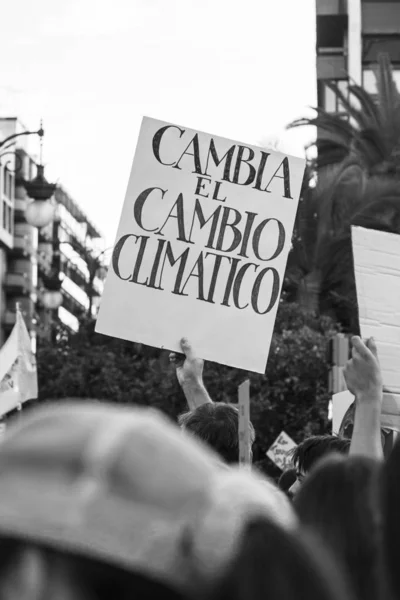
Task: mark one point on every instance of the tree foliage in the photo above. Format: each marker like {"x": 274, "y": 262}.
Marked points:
{"x": 356, "y": 172}
{"x": 292, "y": 396}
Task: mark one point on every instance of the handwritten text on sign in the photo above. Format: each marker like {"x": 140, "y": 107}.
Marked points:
{"x": 202, "y": 245}
{"x": 281, "y": 451}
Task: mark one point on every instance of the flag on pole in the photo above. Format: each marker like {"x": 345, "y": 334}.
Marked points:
{"x": 18, "y": 374}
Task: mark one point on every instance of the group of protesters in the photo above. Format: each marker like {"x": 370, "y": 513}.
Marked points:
{"x": 101, "y": 502}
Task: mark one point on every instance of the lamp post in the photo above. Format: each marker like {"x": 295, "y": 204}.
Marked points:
{"x": 8, "y": 141}
{"x": 40, "y": 212}
{"x": 7, "y": 149}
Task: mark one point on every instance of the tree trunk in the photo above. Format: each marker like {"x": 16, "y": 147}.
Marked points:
{"x": 308, "y": 292}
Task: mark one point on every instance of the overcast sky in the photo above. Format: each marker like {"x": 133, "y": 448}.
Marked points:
{"x": 241, "y": 69}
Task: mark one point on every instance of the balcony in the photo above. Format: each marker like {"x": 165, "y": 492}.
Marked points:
{"x": 17, "y": 283}
{"x": 22, "y": 246}
{"x": 75, "y": 274}
{"x": 72, "y": 305}
{"x": 19, "y": 210}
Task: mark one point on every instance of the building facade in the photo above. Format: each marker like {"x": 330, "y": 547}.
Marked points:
{"x": 27, "y": 255}
{"x": 350, "y": 36}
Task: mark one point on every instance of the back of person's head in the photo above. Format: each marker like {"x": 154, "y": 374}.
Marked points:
{"x": 217, "y": 424}
{"x": 340, "y": 502}
{"x": 276, "y": 564}
{"x": 391, "y": 517}
{"x": 95, "y": 497}
{"x": 29, "y": 571}
{"x": 286, "y": 480}
{"x": 104, "y": 485}
{"x": 312, "y": 449}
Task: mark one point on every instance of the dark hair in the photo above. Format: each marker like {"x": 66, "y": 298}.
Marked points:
{"x": 391, "y": 517}
{"x": 96, "y": 580}
{"x": 217, "y": 424}
{"x": 340, "y": 502}
{"x": 287, "y": 479}
{"x": 274, "y": 564}
{"x": 311, "y": 450}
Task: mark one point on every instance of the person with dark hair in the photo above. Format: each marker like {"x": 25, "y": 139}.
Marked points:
{"x": 391, "y": 517}
{"x": 276, "y": 564}
{"x": 215, "y": 423}
{"x": 309, "y": 452}
{"x": 37, "y": 572}
{"x": 340, "y": 502}
{"x": 287, "y": 479}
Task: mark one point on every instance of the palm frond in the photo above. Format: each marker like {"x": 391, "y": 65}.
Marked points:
{"x": 369, "y": 126}
{"x": 382, "y": 214}
{"x": 362, "y": 116}
{"x": 367, "y": 106}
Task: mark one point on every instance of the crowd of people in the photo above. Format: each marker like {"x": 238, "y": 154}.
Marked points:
{"x": 100, "y": 502}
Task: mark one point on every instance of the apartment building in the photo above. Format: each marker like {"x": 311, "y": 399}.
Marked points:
{"x": 27, "y": 254}
{"x": 350, "y": 36}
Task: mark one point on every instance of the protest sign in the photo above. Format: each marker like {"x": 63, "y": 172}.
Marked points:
{"x": 202, "y": 245}
{"x": 377, "y": 272}
{"x": 281, "y": 451}
{"x": 341, "y": 403}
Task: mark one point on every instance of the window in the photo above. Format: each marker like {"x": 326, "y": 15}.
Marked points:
{"x": 331, "y": 31}
{"x": 7, "y": 217}
{"x": 8, "y": 182}
{"x": 10, "y": 219}
{"x": 328, "y": 100}
{"x": 375, "y": 45}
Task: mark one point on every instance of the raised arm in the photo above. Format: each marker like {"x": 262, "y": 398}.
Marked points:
{"x": 189, "y": 371}
{"x": 364, "y": 380}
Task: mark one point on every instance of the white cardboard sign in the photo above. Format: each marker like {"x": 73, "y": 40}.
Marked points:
{"x": 281, "y": 451}
{"x": 202, "y": 245}
{"x": 390, "y": 415}
{"x": 377, "y": 273}
{"x": 341, "y": 402}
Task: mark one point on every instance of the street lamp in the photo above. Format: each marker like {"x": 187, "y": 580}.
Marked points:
{"x": 40, "y": 212}
{"x": 7, "y": 149}
{"x": 8, "y": 142}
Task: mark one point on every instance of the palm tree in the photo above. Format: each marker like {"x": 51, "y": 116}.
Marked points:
{"x": 368, "y": 128}
{"x": 358, "y": 183}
